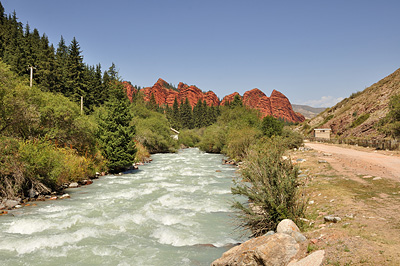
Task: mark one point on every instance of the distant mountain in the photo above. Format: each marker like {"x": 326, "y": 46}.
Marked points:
{"x": 277, "y": 104}
{"x": 308, "y": 111}
{"x": 359, "y": 114}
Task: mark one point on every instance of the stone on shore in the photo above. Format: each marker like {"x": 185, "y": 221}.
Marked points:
{"x": 73, "y": 185}
{"x": 276, "y": 249}
{"x": 9, "y": 204}
{"x": 288, "y": 227}
{"x": 314, "y": 259}
{"x": 333, "y": 219}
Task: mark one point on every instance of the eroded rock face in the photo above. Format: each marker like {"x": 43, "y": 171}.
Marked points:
{"x": 229, "y": 98}
{"x": 281, "y": 107}
{"x": 276, "y": 249}
{"x": 277, "y": 105}
{"x": 130, "y": 90}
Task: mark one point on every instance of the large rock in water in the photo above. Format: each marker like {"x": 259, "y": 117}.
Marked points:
{"x": 275, "y": 250}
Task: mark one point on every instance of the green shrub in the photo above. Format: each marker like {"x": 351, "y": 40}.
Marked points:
{"x": 361, "y": 119}
{"x": 239, "y": 140}
{"x": 291, "y": 139}
{"x": 271, "y": 126}
{"x": 271, "y": 186}
{"x": 213, "y": 140}
{"x": 189, "y": 137}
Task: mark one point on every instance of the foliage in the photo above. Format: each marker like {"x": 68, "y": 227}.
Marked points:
{"x": 142, "y": 154}
{"x": 238, "y": 141}
{"x": 152, "y": 129}
{"x": 291, "y": 139}
{"x": 271, "y": 126}
{"x": 361, "y": 119}
{"x": 391, "y": 123}
{"x": 190, "y": 137}
{"x": 116, "y": 133}
{"x": 41, "y": 166}
{"x": 271, "y": 186}
{"x": 213, "y": 139}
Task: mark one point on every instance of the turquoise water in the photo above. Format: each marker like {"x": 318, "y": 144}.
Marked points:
{"x": 162, "y": 214}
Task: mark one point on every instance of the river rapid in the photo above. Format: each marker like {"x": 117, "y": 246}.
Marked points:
{"x": 162, "y": 214}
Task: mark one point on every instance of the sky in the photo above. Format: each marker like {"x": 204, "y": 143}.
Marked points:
{"x": 315, "y": 52}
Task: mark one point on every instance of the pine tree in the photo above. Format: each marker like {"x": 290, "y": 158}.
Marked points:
{"x": 175, "y": 117}
{"x": 75, "y": 68}
{"x": 60, "y": 75}
{"x": 116, "y": 132}
{"x": 186, "y": 114}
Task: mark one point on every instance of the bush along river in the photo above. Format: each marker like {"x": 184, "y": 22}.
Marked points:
{"x": 174, "y": 211}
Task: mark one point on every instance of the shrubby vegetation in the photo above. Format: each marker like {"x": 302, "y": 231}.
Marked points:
{"x": 271, "y": 186}
{"x": 391, "y": 123}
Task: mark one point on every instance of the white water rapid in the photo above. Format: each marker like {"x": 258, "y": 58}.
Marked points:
{"x": 162, "y": 214}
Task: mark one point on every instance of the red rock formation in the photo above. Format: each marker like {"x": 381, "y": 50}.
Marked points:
{"x": 281, "y": 107}
{"x": 277, "y": 105}
{"x": 211, "y": 98}
{"x": 229, "y": 98}
{"x": 130, "y": 90}
{"x": 258, "y": 100}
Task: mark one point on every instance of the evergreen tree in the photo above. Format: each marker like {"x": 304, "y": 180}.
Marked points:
{"x": 186, "y": 114}
{"x": 116, "y": 132}
{"x": 61, "y": 58}
{"x": 152, "y": 104}
{"x": 199, "y": 114}
{"x": 175, "y": 115}
{"x": 237, "y": 101}
{"x": 75, "y": 67}
{"x": 45, "y": 73}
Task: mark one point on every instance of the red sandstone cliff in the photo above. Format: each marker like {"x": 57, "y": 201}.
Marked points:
{"x": 277, "y": 104}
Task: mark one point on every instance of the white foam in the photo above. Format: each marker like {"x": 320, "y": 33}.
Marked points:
{"x": 29, "y": 245}
{"x": 177, "y": 238}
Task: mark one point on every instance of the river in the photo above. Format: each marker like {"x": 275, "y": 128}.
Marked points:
{"x": 162, "y": 214}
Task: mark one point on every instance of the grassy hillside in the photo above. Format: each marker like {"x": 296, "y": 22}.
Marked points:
{"x": 359, "y": 115}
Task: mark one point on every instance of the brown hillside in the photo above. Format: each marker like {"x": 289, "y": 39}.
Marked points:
{"x": 358, "y": 115}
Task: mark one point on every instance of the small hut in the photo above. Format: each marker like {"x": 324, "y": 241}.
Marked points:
{"x": 322, "y": 133}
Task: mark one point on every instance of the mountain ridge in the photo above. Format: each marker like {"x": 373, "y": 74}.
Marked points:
{"x": 277, "y": 105}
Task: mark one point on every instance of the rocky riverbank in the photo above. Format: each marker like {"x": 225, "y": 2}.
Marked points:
{"x": 273, "y": 248}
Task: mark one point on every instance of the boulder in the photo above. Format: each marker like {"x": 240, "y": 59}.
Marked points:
{"x": 10, "y": 203}
{"x": 288, "y": 227}
{"x": 65, "y": 196}
{"x": 73, "y": 185}
{"x": 32, "y": 193}
{"x": 314, "y": 259}
{"x": 276, "y": 249}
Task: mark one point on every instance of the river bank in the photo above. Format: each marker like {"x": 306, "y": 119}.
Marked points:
{"x": 174, "y": 211}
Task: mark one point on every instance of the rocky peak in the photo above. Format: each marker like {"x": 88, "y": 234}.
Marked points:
{"x": 277, "y": 105}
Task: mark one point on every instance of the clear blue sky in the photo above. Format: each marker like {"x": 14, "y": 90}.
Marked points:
{"x": 315, "y": 52}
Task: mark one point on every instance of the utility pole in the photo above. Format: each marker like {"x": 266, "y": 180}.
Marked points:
{"x": 81, "y": 105}
{"x": 31, "y": 68}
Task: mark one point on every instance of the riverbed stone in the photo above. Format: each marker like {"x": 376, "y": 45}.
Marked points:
{"x": 73, "y": 185}
{"x": 11, "y": 203}
{"x": 276, "y": 249}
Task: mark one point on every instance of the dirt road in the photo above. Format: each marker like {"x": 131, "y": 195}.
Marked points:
{"x": 361, "y": 162}
{"x": 362, "y": 187}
